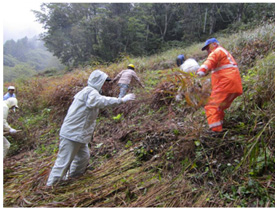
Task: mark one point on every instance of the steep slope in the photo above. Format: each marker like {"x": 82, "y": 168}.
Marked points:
{"x": 154, "y": 152}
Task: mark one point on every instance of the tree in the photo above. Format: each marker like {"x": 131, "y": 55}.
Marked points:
{"x": 10, "y": 47}
{"x": 80, "y": 33}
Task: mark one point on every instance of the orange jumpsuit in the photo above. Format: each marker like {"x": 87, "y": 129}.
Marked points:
{"x": 226, "y": 85}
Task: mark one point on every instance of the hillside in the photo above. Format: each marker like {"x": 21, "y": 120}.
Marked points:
{"x": 153, "y": 152}
{"x": 27, "y": 57}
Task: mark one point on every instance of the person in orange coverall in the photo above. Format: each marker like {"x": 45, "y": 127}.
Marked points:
{"x": 226, "y": 82}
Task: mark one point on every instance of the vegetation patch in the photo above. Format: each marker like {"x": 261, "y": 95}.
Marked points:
{"x": 154, "y": 151}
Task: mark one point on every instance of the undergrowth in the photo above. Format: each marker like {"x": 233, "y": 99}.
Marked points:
{"x": 155, "y": 151}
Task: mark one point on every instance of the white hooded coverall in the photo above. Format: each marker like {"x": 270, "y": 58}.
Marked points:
{"x": 77, "y": 129}
{"x": 7, "y": 104}
{"x": 190, "y": 65}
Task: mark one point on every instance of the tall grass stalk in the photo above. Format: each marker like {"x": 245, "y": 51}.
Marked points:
{"x": 254, "y": 148}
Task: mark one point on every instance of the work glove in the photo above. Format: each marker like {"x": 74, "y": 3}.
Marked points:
{"x": 12, "y": 131}
{"x": 129, "y": 97}
{"x": 200, "y": 73}
{"x": 178, "y": 97}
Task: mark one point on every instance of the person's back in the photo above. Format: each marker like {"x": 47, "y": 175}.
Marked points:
{"x": 190, "y": 65}
{"x": 125, "y": 77}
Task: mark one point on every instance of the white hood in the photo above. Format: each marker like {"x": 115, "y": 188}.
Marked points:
{"x": 11, "y": 102}
{"x": 97, "y": 79}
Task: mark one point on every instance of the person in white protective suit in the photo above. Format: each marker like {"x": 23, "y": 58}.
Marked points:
{"x": 189, "y": 66}
{"x": 78, "y": 126}
{"x": 10, "y": 103}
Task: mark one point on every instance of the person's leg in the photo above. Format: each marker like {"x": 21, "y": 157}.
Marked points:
{"x": 213, "y": 117}
{"x": 123, "y": 90}
{"x": 230, "y": 97}
{"x": 67, "y": 151}
{"x": 215, "y": 109}
{"x": 80, "y": 162}
{"x": 217, "y": 128}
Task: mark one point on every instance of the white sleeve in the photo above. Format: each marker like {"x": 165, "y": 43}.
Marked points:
{"x": 6, "y": 125}
{"x": 99, "y": 101}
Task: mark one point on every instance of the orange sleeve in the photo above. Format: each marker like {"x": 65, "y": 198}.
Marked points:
{"x": 201, "y": 69}
{"x": 212, "y": 61}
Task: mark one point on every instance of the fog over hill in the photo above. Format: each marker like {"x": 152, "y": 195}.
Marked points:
{"x": 15, "y": 35}
{"x": 20, "y": 21}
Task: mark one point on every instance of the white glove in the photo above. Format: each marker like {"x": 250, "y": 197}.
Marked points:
{"x": 178, "y": 97}
{"x": 201, "y": 73}
{"x": 12, "y": 131}
{"x": 129, "y": 97}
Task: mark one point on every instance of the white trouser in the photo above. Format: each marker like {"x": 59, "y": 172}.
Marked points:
{"x": 73, "y": 159}
{"x": 6, "y": 146}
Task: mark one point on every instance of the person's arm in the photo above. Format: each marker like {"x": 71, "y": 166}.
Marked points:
{"x": 117, "y": 76}
{"x": 7, "y": 127}
{"x": 137, "y": 79}
{"x": 99, "y": 101}
{"x": 209, "y": 64}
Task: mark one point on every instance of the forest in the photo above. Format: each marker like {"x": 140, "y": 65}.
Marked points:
{"x": 80, "y": 34}
{"x": 94, "y": 33}
{"x": 154, "y": 151}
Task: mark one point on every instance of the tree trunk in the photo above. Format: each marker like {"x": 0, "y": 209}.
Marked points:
{"x": 95, "y": 28}
{"x": 147, "y": 32}
{"x": 240, "y": 12}
{"x": 212, "y": 19}
{"x": 205, "y": 20}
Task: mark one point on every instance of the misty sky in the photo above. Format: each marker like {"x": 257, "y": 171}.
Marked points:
{"x": 19, "y": 20}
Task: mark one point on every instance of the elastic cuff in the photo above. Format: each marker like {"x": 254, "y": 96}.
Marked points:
{"x": 217, "y": 128}
{"x": 201, "y": 69}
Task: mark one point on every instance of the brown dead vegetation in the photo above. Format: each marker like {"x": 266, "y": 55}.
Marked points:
{"x": 158, "y": 153}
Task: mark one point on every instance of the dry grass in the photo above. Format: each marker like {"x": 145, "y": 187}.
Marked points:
{"x": 158, "y": 154}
